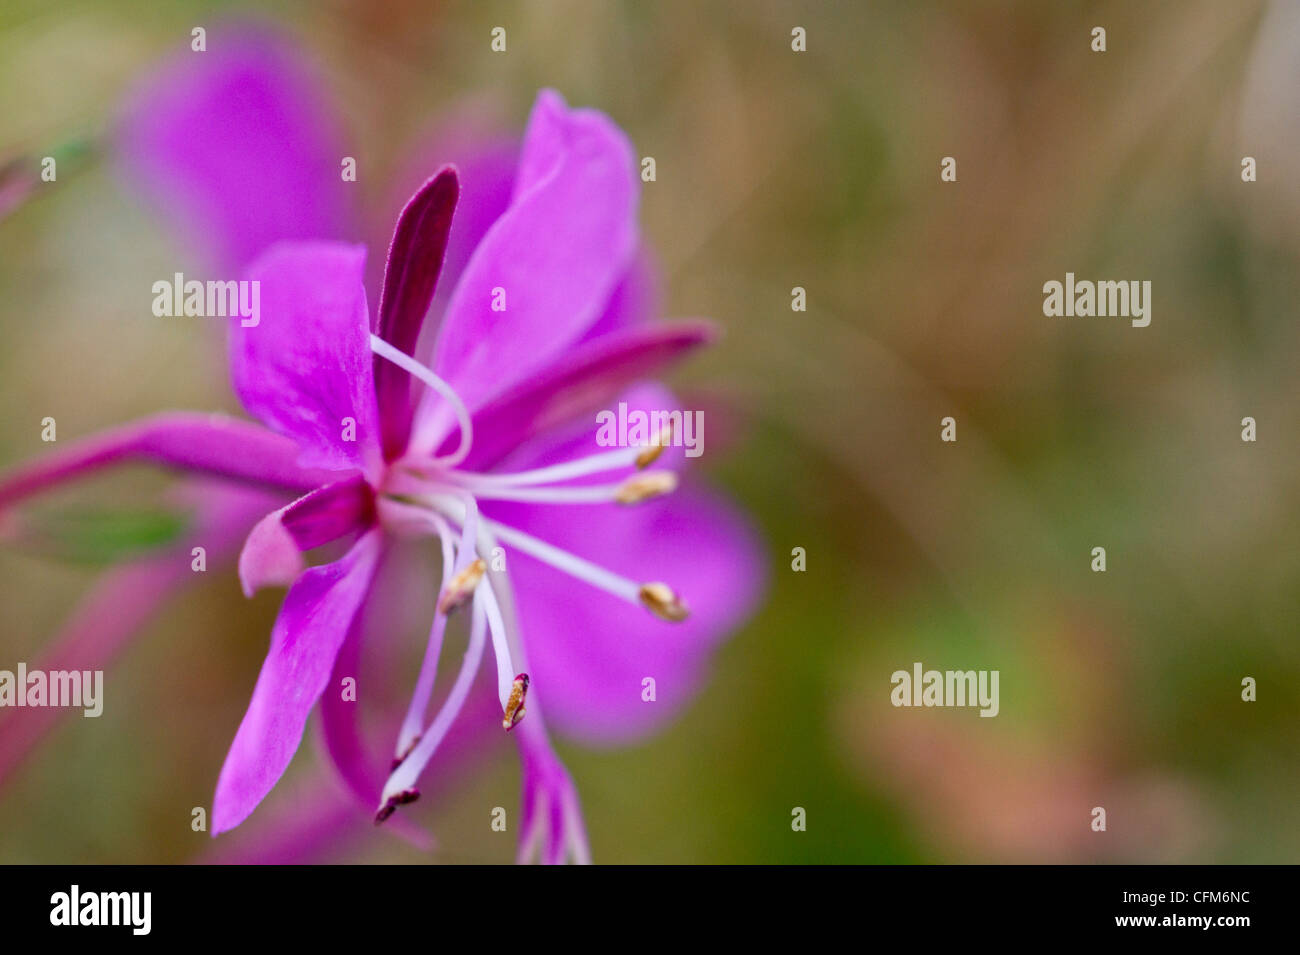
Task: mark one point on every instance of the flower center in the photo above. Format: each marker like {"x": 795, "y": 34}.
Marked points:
{"x": 432, "y": 496}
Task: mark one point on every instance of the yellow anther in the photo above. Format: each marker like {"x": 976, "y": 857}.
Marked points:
{"x": 663, "y": 602}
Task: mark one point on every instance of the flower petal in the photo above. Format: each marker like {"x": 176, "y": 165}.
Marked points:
{"x": 635, "y": 299}
{"x": 358, "y": 734}
{"x": 590, "y": 651}
{"x": 236, "y": 144}
{"x": 272, "y": 555}
{"x": 555, "y": 254}
{"x": 204, "y": 443}
{"x": 312, "y": 823}
{"x": 485, "y": 161}
{"x": 355, "y": 763}
{"x": 313, "y": 622}
{"x": 551, "y": 827}
{"x": 587, "y": 378}
{"x": 410, "y": 278}
{"x": 305, "y": 368}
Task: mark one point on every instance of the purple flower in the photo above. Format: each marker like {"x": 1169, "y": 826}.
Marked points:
{"x": 479, "y": 438}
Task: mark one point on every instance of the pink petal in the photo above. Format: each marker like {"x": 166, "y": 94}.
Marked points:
{"x": 361, "y": 770}
{"x": 590, "y": 651}
{"x": 410, "y": 278}
{"x": 236, "y": 144}
{"x": 635, "y": 299}
{"x": 305, "y": 369}
{"x": 557, "y": 253}
{"x": 204, "y": 443}
{"x": 485, "y": 161}
{"x": 588, "y": 378}
{"x": 272, "y": 555}
{"x": 313, "y": 622}
{"x": 313, "y": 822}
{"x": 359, "y": 735}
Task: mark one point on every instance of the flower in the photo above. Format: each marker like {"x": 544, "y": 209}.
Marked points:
{"x": 489, "y": 462}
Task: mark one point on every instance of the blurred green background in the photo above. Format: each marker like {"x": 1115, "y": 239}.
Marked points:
{"x": 779, "y": 169}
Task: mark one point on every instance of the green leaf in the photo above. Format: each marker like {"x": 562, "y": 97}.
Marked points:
{"x": 103, "y": 537}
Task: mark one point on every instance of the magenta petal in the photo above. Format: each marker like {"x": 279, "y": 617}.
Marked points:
{"x": 305, "y": 368}
{"x": 204, "y": 443}
{"x": 590, "y": 651}
{"x": 485, "y": 160}
{"x": 587, "y": 378}
{"x": 550, "y": 825}
{"x": 236, "y": 143}
{"x": 410, "y": 278}
{"x": 556, "y": 255}
{"x": 311, "y": 823}
{"x": 635, "y": 299}
{"x": 272, "y": 555}
{"x": 313, "y": 622}
{"x": 359, "y": 770}
{"x": 330, "y": 513}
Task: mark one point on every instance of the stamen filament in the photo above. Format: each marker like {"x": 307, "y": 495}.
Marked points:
{"x": 593, "y": 464}
{"x": 500, "y": 646}
{"x": 405, "y": 776}
{"x": 419, "y": 371}
{"x": 413, "y": 724}
{"x": 635, "y": 489}
{"x": 571, "y": 564}
{"x": 469, "y": 567}
{"x": 655, "y": 596}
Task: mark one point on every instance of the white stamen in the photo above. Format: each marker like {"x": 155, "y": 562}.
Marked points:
{"x": 469, "y": 531}
{"x": 535, "y": 729}
{"x": 406, "y": 775}
{"x": 594, "y": 464}
{"x": 414, "y": 368}
{"x": 571, "y": 564}
{"x": 560, "y": 559}
{"x": 633, "y": 490}
{"x": 414, "y": 721}
{"x": 500, "y": 645}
